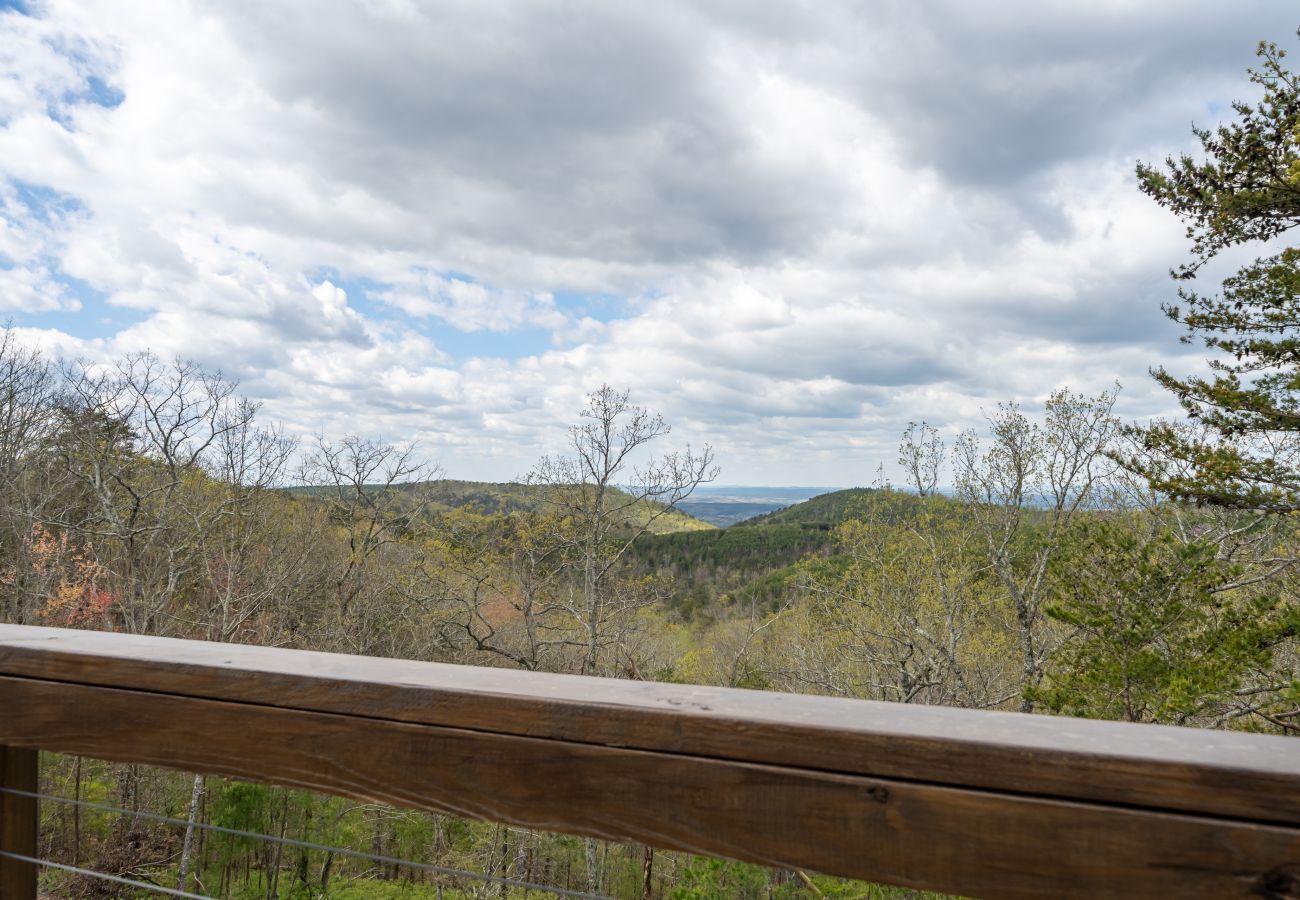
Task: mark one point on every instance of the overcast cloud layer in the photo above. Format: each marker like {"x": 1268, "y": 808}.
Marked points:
{"x": 791, "y": 228}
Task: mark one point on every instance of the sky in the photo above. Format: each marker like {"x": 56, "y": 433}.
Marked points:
{"x": 790, "y": 228}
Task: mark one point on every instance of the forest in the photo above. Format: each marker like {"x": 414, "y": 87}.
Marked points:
{"x": 1057, "y": 561}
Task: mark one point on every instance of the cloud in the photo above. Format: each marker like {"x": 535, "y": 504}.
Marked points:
{"x": 791, "y": 229}
{"x": 469, "y": 306}
{"x": 33, "y": 290}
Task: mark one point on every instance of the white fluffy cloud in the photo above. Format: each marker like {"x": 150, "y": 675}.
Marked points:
{"x": 792, "y": 230}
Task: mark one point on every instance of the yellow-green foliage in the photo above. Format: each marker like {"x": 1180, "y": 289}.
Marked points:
{"x": 904, "y": 611}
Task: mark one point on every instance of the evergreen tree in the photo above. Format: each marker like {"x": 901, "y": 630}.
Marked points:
{"x": 1246, "y": 190}
{"x": 1162, "y": 631}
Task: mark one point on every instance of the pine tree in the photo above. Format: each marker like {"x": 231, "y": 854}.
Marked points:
{"x": 1246, "y": 451}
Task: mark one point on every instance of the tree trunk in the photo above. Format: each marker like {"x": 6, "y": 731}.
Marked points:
{"x": 76, "y": 813}
{"x": 1029, "y": 664}
{"x": 273, "y": 879}
{"x": 523, "y": 862}
{"x": 195, "y": 795}
{"x": 589, "y": 589}
{"x": 505, "y": 860}
{"x": 647, "y": 872}
{"x": 593, "y": 876}
{"x": 325, "y": 872}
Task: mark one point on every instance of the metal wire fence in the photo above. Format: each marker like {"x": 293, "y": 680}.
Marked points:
{"x": 154, "y": 888}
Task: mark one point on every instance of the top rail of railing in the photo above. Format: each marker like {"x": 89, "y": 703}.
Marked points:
{"x": 972, "y": 802}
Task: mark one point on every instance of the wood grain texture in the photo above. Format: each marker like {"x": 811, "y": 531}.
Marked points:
{"x": 977, "y": 843}
{"x": 1217, "y": 773}
{"x": 19, "y": 820}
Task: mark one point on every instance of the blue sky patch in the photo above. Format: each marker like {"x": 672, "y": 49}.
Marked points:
{"x": 460, "y": 345}
{"x": 101, "y": 93}
{"x": 94, "y": 91}
{"x": 44, "y": 203}
{"x": 601, "y": 307}
{"x": 463, "y": 345}
{"x": 95, "y": 320}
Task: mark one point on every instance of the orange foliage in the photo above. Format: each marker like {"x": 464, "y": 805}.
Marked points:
{"x": 73, "y": 595}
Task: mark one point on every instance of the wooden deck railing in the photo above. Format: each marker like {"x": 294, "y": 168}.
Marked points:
{"x": 977, "y": 803}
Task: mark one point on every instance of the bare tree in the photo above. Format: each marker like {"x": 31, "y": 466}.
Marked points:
{"x": 135, "y": 442}
{"x": 497, "y": 585}
{"x": 920, "y": 453}
{"x": 28, "y": 390}
{"x": 606, "y": 501}
{"x": 375, "y": 495}
{"x": 601, "y": 500}
{"x": 1025, "y": 489}
{"x": 249, "y": 559}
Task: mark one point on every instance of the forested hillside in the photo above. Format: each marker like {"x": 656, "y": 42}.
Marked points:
{"x": 442, "y": 495}
{"x": 824, "y": 510}
{"x": 755, "y": 563}
{"x": 150, "y": 499}
{"x": 708, "y": 572}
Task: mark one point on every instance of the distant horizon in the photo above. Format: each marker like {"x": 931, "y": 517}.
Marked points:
{"x": 703, "y": 487}
{"x": 791, "y": 487}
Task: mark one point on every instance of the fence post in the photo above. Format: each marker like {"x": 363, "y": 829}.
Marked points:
{"x": 19, "y": 822}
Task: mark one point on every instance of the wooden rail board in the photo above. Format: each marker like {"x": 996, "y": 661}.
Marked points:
{"x": 1214, "y": 773}
{"x": 978, "y": 843}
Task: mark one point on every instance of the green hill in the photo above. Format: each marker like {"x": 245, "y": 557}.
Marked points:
{"x": 491, "y": 498}
{"x": 746, "y": 563}
{"x": 755, "y": 562}
{"x": 825, "y": 510}
{"x": 828, "y": 510}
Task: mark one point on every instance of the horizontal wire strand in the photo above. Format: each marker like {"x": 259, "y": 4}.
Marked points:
{"x": 309, "y": 845}
{"x": 104, "y": 876}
